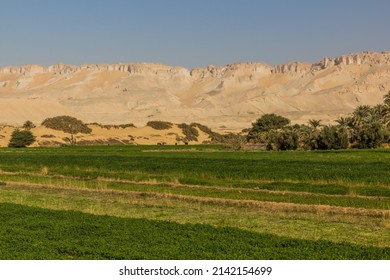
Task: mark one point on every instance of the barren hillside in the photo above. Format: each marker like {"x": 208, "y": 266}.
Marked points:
{"x": 229, "y": 96}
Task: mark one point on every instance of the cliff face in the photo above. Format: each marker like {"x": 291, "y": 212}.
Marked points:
{"x": 233, "y": 95}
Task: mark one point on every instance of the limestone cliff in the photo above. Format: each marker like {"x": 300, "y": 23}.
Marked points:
{"x": 231, "y": 96}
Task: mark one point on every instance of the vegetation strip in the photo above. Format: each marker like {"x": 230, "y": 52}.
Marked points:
{"x": 244, "y": 203}
{"x": 178, "y": 185}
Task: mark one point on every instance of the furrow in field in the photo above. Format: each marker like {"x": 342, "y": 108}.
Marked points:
{"x": 267, "y": 187}
{"x": 270, "y": 205}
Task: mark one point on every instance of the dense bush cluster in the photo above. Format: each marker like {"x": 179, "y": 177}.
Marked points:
{"x": 366, "y": 127}
{"x": 159, "y": 125}
{"x": 202, "y": 127}
{"x": 115, "y": 126}
{"x": 189, "y": 131}
{"x": 67, "y": 124}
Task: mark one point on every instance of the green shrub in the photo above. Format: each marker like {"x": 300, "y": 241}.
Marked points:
{"x": 371, "y": 135}
{"x": 28, "y": 125}
{"x": 67, "y": 124}
{"x": 21, "y": 139}
{"x": 189, "y": 131}
{"x": 159, "y": 125}
{"x": 203, "y": 128}
{"x": 287, "y": 139}
{"x": 333, "y": 137}
{"x": 115, "y": 126}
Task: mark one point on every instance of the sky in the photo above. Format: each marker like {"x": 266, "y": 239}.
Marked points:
{"x": 189, "y": 33}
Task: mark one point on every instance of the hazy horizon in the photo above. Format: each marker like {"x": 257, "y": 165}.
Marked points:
{"x": 189, "y": 33}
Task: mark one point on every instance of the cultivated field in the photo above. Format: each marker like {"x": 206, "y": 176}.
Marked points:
{"x": 187, "y": 202}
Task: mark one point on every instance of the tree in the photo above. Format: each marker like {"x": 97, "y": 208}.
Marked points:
{"x": 67, "y": 124}
{"x": 21, "y": 139}
{"x": 287, "y": 139}
{"x": 314, "y": 123}
{"x": 386, "y": 99}
{"x": 266, "y": 123}
{"x": 361, "y": 115}
{"x": 371, "y": 135}
{"x": 28, "y": 125}
{"x": 333, "y": 137}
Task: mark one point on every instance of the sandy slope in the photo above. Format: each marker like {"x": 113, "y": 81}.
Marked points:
{"x": 131, "y": 135}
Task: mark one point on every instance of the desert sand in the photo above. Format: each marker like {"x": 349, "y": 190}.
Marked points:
{"x": 221, "y": 97}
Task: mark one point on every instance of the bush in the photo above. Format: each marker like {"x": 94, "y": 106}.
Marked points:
{"x": 371, "y": 135}
{"x": 67, "y": 124}
{"x": 332, "y": 137}
{"x": 28, "y": 125}
{"x": 203, "y": 128}
{"x": 189, "y": 131}
{"x": 159, "y": 125}
{"x": 115, "y": 126}
{"x": 21, "y": 139}
{"x": 287, "y": 139}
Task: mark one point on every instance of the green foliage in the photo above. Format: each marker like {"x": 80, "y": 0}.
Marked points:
{"x": 386, "y": 99}
{"x": 233, "y": 141}
{"x": 28, "y": 125}
{"x": 371, "y": 135}
{"x": 34, "y": 233}
{"x": 287, "y": 139}
{"x": 332, "y": 138}
{"x": 115, "y": 126}
{"x": 267, "y": 123}
{"x": 190, "y": 132}
{"x": 159, "y": 125}
{"x": 21, "y": 139}
{"x": 203, "y": 128}
{"x": 67, "y": 124}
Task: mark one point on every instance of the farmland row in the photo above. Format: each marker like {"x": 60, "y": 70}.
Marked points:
{"x": 265, "y": 192}
{"x": 75, "y": 235}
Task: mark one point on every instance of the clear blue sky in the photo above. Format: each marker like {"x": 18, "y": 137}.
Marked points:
{"x": 189, "y": 33}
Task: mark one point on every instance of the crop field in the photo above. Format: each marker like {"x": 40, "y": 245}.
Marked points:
{"x": 193, "y": 202}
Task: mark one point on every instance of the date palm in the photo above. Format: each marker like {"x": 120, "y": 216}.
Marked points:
{"x": 344, "y": 122}
{"x": 386, "y": 99}
{"x": 361, "y": 115}
{"x": 314, "y": 123}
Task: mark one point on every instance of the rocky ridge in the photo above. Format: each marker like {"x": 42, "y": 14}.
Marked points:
{"x": 219, "y": 96}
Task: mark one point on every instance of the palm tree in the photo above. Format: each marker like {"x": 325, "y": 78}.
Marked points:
{"x": 381, "y": 113}
{"x": 361, "y": 115}
{"x": 344, "y": 122}
{"x": 314, "y": 123}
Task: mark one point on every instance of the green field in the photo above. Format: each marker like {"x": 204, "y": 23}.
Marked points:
{"x": 193, "y": 202}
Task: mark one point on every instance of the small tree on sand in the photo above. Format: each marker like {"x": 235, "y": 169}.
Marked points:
{"x": 67, "y": 124}
{"x": 28, "y": 125}
{"x": 21, "y": 139}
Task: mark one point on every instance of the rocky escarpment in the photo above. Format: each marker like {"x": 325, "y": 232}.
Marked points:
{"x": 368, "y": 58}
{"x": 220, "y": 96}
{"x": 364, "y": 58}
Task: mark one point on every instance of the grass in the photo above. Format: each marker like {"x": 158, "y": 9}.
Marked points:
{"x": 33, "y": 233}
{"x": 341, "y": 197}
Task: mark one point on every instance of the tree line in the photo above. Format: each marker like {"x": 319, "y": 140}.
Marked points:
{"x": 366, "y": 127}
